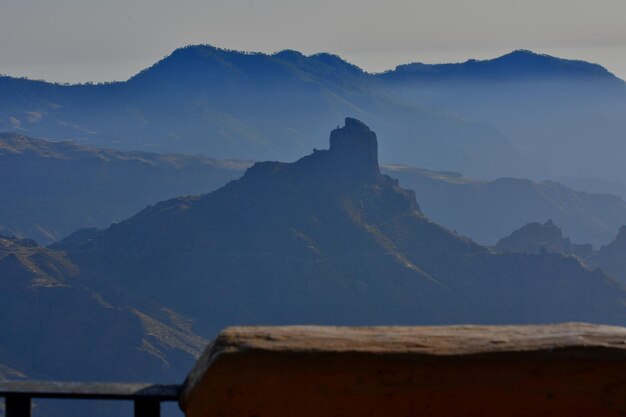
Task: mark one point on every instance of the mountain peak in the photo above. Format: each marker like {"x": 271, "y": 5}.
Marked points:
{"x": 536, "y": 238}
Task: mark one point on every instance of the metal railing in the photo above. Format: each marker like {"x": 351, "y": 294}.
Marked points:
{"x": 147, "y": 398}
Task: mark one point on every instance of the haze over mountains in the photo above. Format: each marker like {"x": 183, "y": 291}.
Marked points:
{"x": 55, "y": 188}
{"x": 59, "y": 187}
{"x": 548, "y": 237}
{"x": 521, "y": 115}
{"x": 569, "y": 116}
{"x": 489, "y": 210}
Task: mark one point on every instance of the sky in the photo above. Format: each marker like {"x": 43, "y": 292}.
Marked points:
{"x": 86, "y": 40}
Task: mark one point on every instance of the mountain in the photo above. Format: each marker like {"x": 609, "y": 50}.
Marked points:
{"x": 56, "y": 325}
{"x": 595, "y": 185}
{"x": 537, "y": 238}
{"x": 201, "y": 99}
{"x": 330, "y": 240}
{"x": 517, "y": 65}
{"x": 612, "y": 257}
{"x": 487, "y": 210}
{"x": 543, "y": 238}
{"x": 569, "y": 116}
{"x": 58, "y": 187}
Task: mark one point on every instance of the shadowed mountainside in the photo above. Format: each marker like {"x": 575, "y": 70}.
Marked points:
{"x": 329, "y": 240}
{"x": 56, "y": 325}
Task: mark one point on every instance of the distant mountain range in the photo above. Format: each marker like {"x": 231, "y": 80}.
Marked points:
{"x": 56, "y": 188}
{"x": 521, "y": 115}
{"x": 488, "y": 210}
{"x": 53, "y": 188}
{"x": 548, "y": 238}
{"x": 537, "y": 238}
{"x": 611, "y": 257}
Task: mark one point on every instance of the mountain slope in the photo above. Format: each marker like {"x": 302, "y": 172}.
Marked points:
{"x": 58, "y": 187}
{"x": 229, "y": 104}
{"x": 488, "y": 210}
{"x": 612, "y": 257}
{"x": 536, "y": 238}
{"x": 328, "y": 239}
{"x": 55, "y": 325}
{"x": 569, "y": 116}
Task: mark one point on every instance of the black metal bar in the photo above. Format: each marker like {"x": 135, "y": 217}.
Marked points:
{"x": 147, "y": 398}
{"x": 147, "y": 408}
{"x": 17, "y": 405}
{"x": 90, "y": 390}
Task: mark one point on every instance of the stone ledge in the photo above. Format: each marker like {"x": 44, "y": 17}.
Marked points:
{"x": 556, "y": 370}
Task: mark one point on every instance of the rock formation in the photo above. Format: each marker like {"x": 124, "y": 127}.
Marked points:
{"x": 547, "y": 237}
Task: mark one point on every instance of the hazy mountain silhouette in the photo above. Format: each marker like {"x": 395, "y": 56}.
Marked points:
{"x": 612, "y": 257}
{"x": 488, "y": 210}
{"x": 229, "y": 104}
{"x": 517, "y": 65}
{"x": 569, "y": 116}
{"x": 522, "y": 114}
{"x": 55, "y": 188}
{"x": 330, "y": 240}
{"x": 538, "y": 238}
{"x": 542, "y": 238}
{"x": 595, "y": 185}
{"x": 58, "y": 187}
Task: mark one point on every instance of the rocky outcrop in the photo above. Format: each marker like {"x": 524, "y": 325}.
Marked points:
{"x": 547, "y": 237}
{"x": 354, "y": 148}
{"x": 554, "y": 370}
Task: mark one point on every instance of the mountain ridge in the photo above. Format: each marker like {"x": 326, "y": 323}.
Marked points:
{"x": 319, "y": 241}
{"x": 58, "y": 187}
{"x": 520, "y": 63}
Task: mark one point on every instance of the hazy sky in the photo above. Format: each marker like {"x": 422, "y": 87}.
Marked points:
{"x": 83, "y": 40}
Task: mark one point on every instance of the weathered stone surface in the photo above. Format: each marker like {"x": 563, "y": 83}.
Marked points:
{"x": 552, "y": 370}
